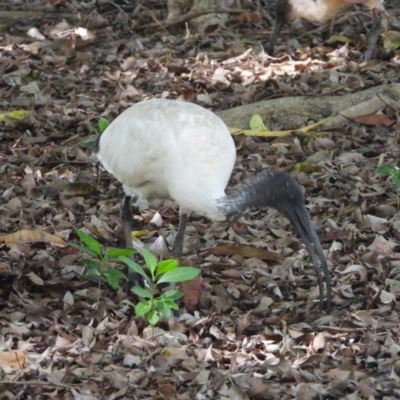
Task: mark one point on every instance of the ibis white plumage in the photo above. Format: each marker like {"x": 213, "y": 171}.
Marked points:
{"x": 181, "y": 151}
{"x": 321, "y": 11}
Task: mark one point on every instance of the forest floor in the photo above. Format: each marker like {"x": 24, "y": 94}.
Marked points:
{"x": 258, "y": 332}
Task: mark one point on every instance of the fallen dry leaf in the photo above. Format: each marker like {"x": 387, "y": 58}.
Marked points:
{"x": 374, "y": 120}
{"x": 11, "y": 360}
{"x": 247, "y": 251}
{"x": 25, "y": 236}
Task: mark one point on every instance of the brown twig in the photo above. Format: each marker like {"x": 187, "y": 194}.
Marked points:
{"x": 339, "y": 329}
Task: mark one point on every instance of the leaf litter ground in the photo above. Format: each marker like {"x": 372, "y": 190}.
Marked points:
{"x": 258, "y": 333}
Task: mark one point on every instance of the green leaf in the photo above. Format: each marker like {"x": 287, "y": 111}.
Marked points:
{"x": 103, "y": 124}
{"x": 114, "y": 253}
{"x": 163, "y": 308}
{"x": 396, "y": 179}
{"x": 179, "y": 274}
{"x": 165, "y": 266}
{"x": 89, "y": 144}
{"x": 142, "y": 292}
{"x": 16, "y": 114}
{"x": 90, "y": 242}
{"x": 93, "y": 271}
{"x": 115, "y": 273}
{"x": 171, "y": 304}
{"x": 171, "y": 295}
{"x": 92, "y": 264}
{"x": 142, "y": 308}
{"x": 83, "y": 248}
{"x": 150, "y": 260}
{"x": 113, "y": 276}
{"x": 135, "y": 267}
{"x": 386, "y": 169}
{"x": 153, "y": 317}
{"x": 257, "y": 123}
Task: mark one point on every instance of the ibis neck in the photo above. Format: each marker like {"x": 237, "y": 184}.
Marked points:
{"x": 268, "y": 189}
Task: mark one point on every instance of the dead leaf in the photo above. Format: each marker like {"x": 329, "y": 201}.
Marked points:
{"x": 382, "y": 246}
{"x": 377, "y": 224}
{"x": 319, "y": 343}
{"x": 247, "y": 15}
{"x": 167, "y": 391}
{"x": 26, "y": 236}
{"x": 374, "y": 120}
{"x": 70, "y": 189}
{"x": 11, "y": 361}
{"x": 246, "y": 251}
{"x": 192, "y": 291}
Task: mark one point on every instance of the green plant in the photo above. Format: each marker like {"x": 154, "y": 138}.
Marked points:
{"x": 153, "y": 306}
{"x": 98, "y": 264}
{"x": 305, "y": 260}
{"x": 394, "y": 173}
{"x": 102, "y": 125}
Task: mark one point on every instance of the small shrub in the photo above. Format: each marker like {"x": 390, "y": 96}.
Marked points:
{"x": 166, "y": 271}
{"x": 102, "y": 125}
{"x": 153, "y": 305}
{"x": 98, "y": 263}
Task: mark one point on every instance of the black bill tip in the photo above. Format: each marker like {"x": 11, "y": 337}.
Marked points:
{"x": 298, "y": 216}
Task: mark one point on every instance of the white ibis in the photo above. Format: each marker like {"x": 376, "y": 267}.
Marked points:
{"x": 181, "y": 151}
{"x": 321, "y": 11}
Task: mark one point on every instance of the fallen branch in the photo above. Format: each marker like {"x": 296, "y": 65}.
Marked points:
{"x": 297, "y": 111}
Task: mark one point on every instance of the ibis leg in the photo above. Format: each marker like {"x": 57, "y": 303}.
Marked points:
{"x": 373, "y": 34}
{"x": 280, "y": 20}
{"x": 127, "y": 221}
{"x": 177, "y": 248}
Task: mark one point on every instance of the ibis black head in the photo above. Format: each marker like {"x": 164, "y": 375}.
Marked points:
{"x": 280, "y": 191}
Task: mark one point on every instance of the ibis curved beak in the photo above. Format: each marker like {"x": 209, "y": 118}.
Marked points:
{"x": 298, "y": 216}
